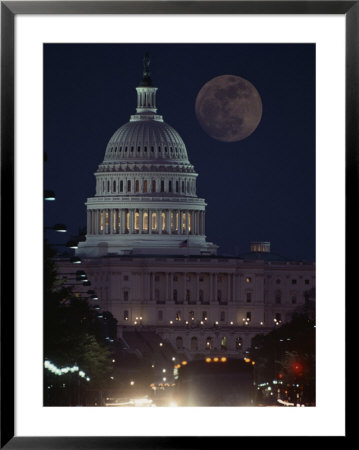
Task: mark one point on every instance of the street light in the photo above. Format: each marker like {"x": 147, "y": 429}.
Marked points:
{"x": 49, "y": 196}
{"x": 59, "y": 227}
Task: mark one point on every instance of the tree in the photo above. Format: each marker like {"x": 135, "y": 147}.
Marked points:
{"x": 287, "y": 355}
{"x": 73, "y": 332}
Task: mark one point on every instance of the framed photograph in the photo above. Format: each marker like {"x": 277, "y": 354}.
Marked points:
{"x": 203, "y": 156}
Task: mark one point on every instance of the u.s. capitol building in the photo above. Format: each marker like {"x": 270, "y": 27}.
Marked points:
{"x": 148, "y": 259}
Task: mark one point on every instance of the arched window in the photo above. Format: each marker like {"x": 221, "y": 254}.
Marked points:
{"x": 154, "y": 221}
{"x": 145, "y": 186}
{"x": 114, "y": 186}
{"x": 179, "y": 343}
{"x": 137, "y": 186}
{"x": 194, "y": 344}
{"x": 121, "y": 186}
{"x": 209, "y": 343}
{"x": 224, "y": 342}
{"x": 137, "y": 221}
{"x": 108, "y": 186}
{"x": 162, "y": 186}
{"x": 145, "y": 221}
{"x": 153, "y": 185}
{"x": 163, "y": 219}
{"x": 170, "y": 186}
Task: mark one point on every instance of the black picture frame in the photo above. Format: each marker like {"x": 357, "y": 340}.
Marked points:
{"x": 9, "y": 10}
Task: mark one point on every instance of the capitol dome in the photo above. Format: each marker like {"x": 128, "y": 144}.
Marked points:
{"x": 145, "y": 201}
{"x": 146, "y": 140}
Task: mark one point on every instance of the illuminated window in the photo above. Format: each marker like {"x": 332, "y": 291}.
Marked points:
{"x": 145, "y": 221}
{"x": 172, "y": 221}
{"x": 145, "y": 186}
{"x": 163, "y": 216}
{"x": 224, "y": 342}
{"x": 114, "y": 222}
{"x": 101, "y": 221}
{"x": 154, "y": 221}
{"x": 248, "y": 279}
{"x": 178, "y": 315}
{"x": 184, "y": 222}
{"x": 127, "y": 220}
{"x": 177, "y": 221}
{"x": 189, "y": 222}
{"x": 106, "y": 219}
{"x": 137, "y": 220}
{"x": 119, "y": 220}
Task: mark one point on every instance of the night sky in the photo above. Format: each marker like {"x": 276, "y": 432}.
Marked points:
{"x": 260, "y": 188}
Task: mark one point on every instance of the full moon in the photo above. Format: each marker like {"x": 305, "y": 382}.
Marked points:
{"x": 228, "y": 108}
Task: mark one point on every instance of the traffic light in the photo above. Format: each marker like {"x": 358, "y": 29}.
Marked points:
{"x": 297, "y": 368}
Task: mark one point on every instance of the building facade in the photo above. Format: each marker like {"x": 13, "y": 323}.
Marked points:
{"x": 148, "y": 259}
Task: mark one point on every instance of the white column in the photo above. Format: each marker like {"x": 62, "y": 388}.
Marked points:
{"x": 123, "y": 221}
{"x": 141, "y": 221}
{"x": 111, "y": 221}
